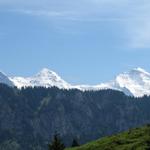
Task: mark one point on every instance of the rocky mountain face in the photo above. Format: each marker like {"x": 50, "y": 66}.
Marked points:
{"x": 5, "y": 80}
{"x": 135, "y": 82}
{"x": 30, "y": 117}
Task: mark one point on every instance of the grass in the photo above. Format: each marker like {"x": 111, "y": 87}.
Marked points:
{"x": 134, "y": 139}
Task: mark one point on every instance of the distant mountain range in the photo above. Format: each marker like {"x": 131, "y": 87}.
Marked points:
{"x": 135, "y": 82}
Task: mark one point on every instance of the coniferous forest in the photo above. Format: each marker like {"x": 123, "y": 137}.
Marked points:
{"x": 30, "y": 117}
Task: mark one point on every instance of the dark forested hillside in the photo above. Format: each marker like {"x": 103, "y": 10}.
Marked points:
{"x": 30, "y": 117}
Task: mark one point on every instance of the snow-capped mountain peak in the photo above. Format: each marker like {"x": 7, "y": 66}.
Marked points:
{"x": 47, "y": 73}
{"x": 135, "y": 82}
{"x": 45, "y": 78}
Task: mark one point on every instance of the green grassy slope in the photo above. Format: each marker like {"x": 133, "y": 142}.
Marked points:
{"x": 134, "y": 139}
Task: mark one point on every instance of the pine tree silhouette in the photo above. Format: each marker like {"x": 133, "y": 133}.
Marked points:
{"x": 75, "y": 143}
{"x": 56, "y": 144}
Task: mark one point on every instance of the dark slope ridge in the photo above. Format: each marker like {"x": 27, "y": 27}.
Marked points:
{"x": 29, "y": 117}
{"x": 133, "y": 139}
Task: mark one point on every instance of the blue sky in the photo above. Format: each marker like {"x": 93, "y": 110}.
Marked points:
{"x": 86, "y": 41}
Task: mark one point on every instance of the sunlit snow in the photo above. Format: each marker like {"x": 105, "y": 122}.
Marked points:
{"x": 136, "y": 82}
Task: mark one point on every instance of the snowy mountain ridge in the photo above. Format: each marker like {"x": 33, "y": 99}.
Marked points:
{"x": 45, "y": 78}
{"x": 135, "y": 82}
